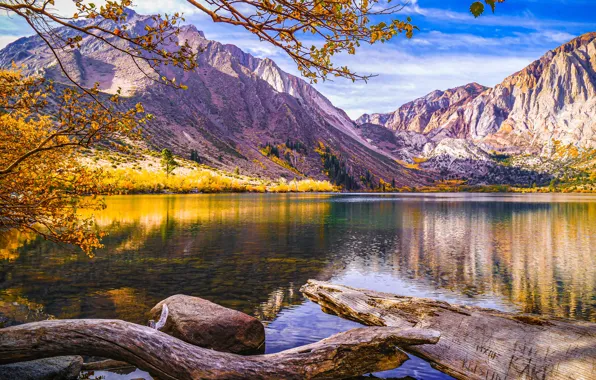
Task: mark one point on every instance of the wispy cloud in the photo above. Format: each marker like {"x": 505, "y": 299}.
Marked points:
{"x": 448, "y": 41}
{"x": 403, "y": 77}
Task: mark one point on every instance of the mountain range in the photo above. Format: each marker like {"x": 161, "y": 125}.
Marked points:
{"x": 245, "y": 112}
{"x": 541, "y": 118}
{"x": 550, "y": 100}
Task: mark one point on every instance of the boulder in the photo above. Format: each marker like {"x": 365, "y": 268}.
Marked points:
{"x": 58, "y": 368}
{"x": 205, "y": 324}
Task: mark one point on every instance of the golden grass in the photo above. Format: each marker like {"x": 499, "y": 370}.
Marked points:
{"x": 131, "y": 181}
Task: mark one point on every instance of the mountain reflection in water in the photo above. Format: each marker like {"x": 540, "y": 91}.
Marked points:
{"x": 531, "y": 253}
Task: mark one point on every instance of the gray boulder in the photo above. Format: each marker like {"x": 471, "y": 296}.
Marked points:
{"x": 205, "y": 324}
{"x": 58, "y": 368}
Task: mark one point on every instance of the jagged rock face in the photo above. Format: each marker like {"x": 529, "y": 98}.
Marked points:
{"x": 418, "y": 126}
{"x": 459, "y": 149}
{"x": 554, "y": 98}
{"x": 551, "y": 102}
{"x": 428, "y": 113}
{"x": 402, "y": 145}
{"x": 235, "y": 104}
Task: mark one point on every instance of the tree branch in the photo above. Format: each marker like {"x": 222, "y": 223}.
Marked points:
{"x": 352, "y": 353}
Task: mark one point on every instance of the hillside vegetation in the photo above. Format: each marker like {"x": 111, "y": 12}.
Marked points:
{"x": 142, "y": 172}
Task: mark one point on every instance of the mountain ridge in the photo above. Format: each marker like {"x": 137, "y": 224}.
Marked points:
{"x": 235, "y": 106}
{"x": 537, "y": 125}
{"x": 540, "y": 99}
{"x": 243, "y": 113}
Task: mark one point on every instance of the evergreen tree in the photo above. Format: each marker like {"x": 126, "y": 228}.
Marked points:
{"x": 194, "y": 156}
{"x": 168, "y": 163}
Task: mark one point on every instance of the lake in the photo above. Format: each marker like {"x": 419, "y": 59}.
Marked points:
{"x": 252, "y": 252}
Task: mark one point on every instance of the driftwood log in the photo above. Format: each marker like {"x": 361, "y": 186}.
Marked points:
{"x": 103, "y": 365}
{"x": 343, "y": 355}
{"x": 475, "y": 343}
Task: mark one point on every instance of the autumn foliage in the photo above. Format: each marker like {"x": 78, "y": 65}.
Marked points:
{"x": 42, "y": 130}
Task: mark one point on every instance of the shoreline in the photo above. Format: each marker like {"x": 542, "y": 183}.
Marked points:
{"x": 406, "y": 191}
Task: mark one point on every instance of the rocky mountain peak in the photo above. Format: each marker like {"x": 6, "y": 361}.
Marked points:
{"x": 428, "y": 113}
{"x": 576, "y": 43}
{"x": 474, "y": 87}
{"x": 430, "y": 103}
{"x": 192, "y": 30}
{"x": 528, "y": 77}
{"x": 551, "y": 101}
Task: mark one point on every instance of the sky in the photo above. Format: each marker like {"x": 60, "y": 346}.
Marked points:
{"x": 451, "y": 48}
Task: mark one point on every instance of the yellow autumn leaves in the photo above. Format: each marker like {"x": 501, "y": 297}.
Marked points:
{"x": 42, "y": 184}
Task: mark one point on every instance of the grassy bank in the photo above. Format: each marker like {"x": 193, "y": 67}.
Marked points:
{"x": 206, "y": 180}
{"x": 142, "y": 173}
{"x": 201, "y": 180}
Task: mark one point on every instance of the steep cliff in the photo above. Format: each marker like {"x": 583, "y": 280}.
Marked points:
{"x": 553, "y": 99}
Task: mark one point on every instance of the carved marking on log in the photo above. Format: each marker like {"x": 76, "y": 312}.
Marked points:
{"x": 487, "y": 351}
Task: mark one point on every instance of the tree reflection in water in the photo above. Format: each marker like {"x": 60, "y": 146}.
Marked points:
{"x": 253, "y": 252}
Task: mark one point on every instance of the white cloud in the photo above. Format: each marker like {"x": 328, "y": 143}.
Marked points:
{"x": 165, "y": 6}
{"x": 448, "y": 41}
{"x": 403, "y": 77}
{"x": 5, "y": 40}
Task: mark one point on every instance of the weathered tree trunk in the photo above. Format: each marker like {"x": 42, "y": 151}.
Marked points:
{"x": 475, "y": 343}
{"x": 347, "y": 354}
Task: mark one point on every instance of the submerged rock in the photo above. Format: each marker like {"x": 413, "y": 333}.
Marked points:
{"x": 58, "y": 368}
{"x": 205, "y": 324}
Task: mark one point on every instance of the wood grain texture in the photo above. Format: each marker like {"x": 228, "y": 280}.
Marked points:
{"x": 475, "y": 343}
{"x": 355, "y": 352}
{"x": 108, "y": 364}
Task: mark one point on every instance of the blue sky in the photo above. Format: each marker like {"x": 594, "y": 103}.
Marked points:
{"x": 451, "y": 48}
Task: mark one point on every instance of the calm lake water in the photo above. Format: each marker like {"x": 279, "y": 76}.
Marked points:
{"x": 530, "y": 253}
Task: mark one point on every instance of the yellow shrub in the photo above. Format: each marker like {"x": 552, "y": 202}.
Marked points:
{"x": 129, "y": 181}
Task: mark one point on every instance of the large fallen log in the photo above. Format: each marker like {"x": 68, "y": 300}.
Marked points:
{"x": 475, "y": 343}
{"x": 343, "y": 355}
